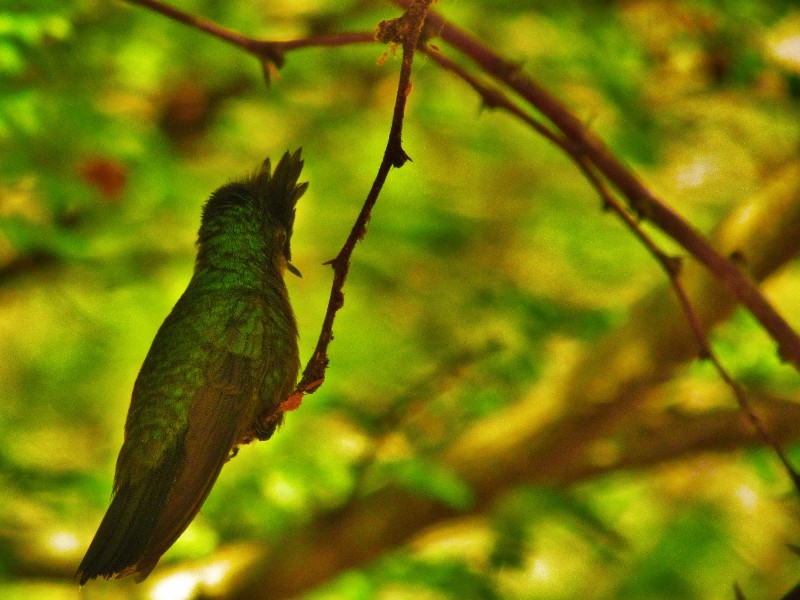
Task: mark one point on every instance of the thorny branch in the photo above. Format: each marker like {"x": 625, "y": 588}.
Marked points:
{"x": 494, "y": 98}
{"x": 267, "y": 51}
{"x": 405, "y": 31}
{"x": 643, "y": 201}
{"x": 672, "y": 267}
{"x": 584, "y": 148}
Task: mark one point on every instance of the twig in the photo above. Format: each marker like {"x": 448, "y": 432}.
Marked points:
{"x": 405, "y": 31}
{"x": 671, "y": 266}
{"x": 491, "y": 96}
{"x": 264, "y": 50}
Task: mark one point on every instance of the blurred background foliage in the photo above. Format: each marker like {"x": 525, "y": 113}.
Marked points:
{"x": 513, "y": 407}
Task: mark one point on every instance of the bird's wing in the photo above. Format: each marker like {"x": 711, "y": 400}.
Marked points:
{"x": 149, "y": 513}
{"x": 221, "y": 409}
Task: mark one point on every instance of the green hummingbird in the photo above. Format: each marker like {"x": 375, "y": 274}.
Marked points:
{"x": 220, "y": 365}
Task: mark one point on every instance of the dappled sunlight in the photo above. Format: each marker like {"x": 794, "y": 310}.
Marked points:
{"x": 784, "y": 42}
{"x": 188, "y": 583}
{"x": 540, "y": 570}
{"x": 64, "y": 541}
{"x": 695, "y": 173}
{"x": 748, "y": 497}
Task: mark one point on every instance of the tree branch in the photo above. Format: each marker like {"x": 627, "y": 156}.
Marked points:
{"x": 644, "y": 202}
{"x": 600, "y": 400}
{"x": 267, "y": 51}
{"x": 495, "y": 98}
{"x": 404, "y": 30}
{"x": 374, "y": 524}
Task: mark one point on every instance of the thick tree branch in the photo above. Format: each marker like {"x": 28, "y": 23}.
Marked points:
{"x": 644, "y": 202}
{"x": 495, "y": 98}
{"x": 617, "y": 373}
{"x": 374, "y": 524}
{"x": 671, "y": 267}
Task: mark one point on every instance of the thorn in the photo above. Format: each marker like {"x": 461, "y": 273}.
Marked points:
{"x": 338, "y": 301}
{"x": 738, "y": 257}
{"x": 738, "y": 592}
{"x": 398, "y": 155}
{"x": 673, "y": 264}
{"x": 270, "y": 69}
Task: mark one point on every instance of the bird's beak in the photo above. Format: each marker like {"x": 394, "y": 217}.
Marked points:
{"x": 293, "y": 269}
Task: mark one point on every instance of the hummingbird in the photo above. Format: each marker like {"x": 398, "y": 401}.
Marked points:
{"x": 216, "y": 373}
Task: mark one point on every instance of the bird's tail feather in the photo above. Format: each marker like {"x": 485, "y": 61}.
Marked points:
{"x": 128, "y": 525}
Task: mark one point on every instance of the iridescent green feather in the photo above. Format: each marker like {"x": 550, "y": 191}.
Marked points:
{"x": 225, "y": 357}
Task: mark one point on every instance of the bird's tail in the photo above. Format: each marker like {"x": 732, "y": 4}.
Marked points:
{"x": 128, "y": 526}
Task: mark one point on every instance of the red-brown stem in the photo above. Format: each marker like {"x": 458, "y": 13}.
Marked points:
{"x": 495, "y": 98}
{"x": 394, "y": 155}
{"x": 644, "y": 202}
{"x": 262, "y": 49}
